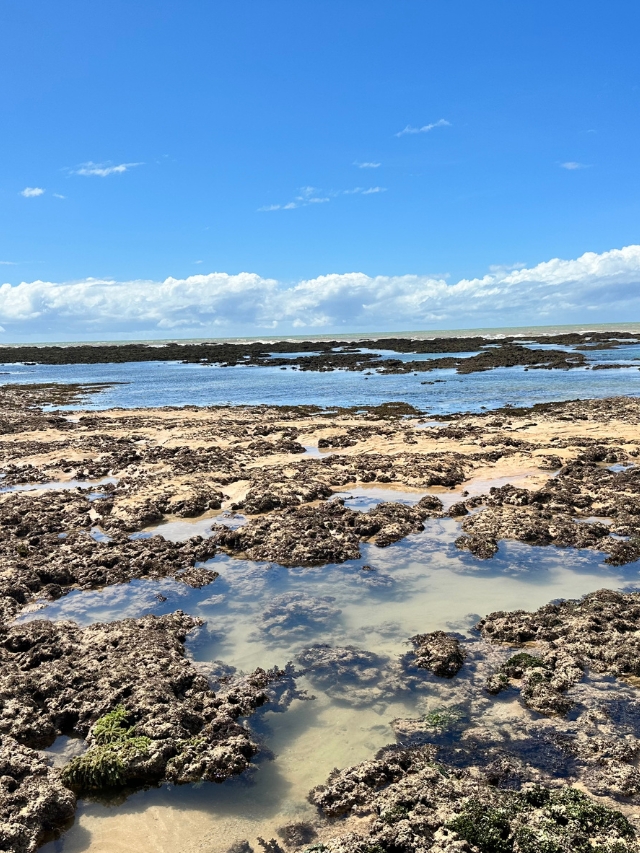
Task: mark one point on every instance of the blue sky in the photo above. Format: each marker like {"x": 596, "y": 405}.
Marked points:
{"x": 174, "y": 139}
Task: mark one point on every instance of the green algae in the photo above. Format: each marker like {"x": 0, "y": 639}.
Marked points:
{"x": 105, "y": 763}
{"x": 443, "y": 718}
{"x": 545, "y": 821}
{"x": 519, "y": 663}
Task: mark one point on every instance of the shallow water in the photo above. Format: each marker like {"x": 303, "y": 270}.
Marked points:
{"x": 261, "y": 614}
{"x": 60, "y": 485}
{"x": 440, "y": 392}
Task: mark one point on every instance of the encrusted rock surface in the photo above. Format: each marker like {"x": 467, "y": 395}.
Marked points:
{"x": 58, "y": 678}
{"x": 328, "y": 533}
{"x": 438, "y": 652}
{"x": 33, "y": 799}
{"x": 560, "y": 512}
{"x": 600, "y": 630}
{"x": 599, "y": 633}
{"x": 409, "y": 800}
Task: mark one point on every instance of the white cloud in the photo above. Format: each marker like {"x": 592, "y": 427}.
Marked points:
{"x": 592, "y": 288}
{"x": 102, "y": 170}
{"x": 8, "y": 263}
{"x": 367, "y": 165}
{"x": 309, "y": 196}
{"x": 32, "y": 192}
{"x": 426, "y": 128}
{"x": 57, "y": 195}
{"x": 571, "y": 165}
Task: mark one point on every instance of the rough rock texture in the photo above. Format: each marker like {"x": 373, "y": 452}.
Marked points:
{"x": 33, "y": 800}
{"x": 600, "y": 633}
{"x": 438, "y": 652}
{"x": 413, "y": 802}
{"x": 559, "y": 513}
{"x": 328, "y": 533}
{"x": 52, "y": 566}
{"x": 599, "y": 630}
{"x": 57, "y": 678}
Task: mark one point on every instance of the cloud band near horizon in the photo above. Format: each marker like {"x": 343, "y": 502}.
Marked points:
{"x": 593, "y": 288}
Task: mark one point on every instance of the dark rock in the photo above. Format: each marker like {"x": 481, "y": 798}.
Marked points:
{"x": 438, "y": 652}
{"x": 33, "y": 800}
{"x": 57, "y": 678}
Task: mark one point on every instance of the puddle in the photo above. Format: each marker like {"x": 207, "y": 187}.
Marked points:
{"x": 261, "y": 614}
{"x": 99, "y": 535}
{"x": 314, "y": 451}
{"x": 63, "y": 749}
{"x": 180, "y": 529}
{"x": 362, "y": 498}
{"x": 62, "y": 485}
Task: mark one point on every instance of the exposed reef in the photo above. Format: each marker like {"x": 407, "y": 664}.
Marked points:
{"x": 561, "y": 679}
{"x": 408, "y": 800}
{"x": 528, "y": 781}
{"x": 328, "y": 533}
{"x": 141, "y": 706}
{"x": 325, "y": 355}
{"x": 438, "y": 652}
{"x": 33, "y": 800}
{"x": 568, "y": 511}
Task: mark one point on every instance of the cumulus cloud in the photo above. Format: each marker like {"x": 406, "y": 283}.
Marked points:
{"x": 367, "y": 165}
{"x": 592, "y": 288}
{"x": 102, "y": 170}
{"x": 425, "y": 128}
{"x": 32, "y": 192}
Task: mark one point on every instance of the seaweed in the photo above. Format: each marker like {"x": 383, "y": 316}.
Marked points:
{"x": 105, "y": 763}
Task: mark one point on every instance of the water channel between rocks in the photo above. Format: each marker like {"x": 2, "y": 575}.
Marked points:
{"x": 260, "y": 614}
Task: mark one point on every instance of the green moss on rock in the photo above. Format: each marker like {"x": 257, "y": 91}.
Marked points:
{"x": 104, "y": 765}
{"x": 544, "y": 821}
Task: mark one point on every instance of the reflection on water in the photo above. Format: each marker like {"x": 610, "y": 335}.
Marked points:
{"x": 61, "y": 486}
{"x": 181, "y": 529}
{"x": 261, "y": 614}
{"x": 145, "y": 384}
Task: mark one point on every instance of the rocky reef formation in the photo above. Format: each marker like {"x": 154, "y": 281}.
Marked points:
{"x": 408, "y": 800}
{"x": 525, "y": 782}
{"x": 328, "y": 533}
{"x": 570, "y": 510}
{"x": 33, "y": 800}
{"x": 600, "y": 632}
{"x": 330, "y": 355}
{"x": 128, "y": 690}
{"x": 438, "y": 652}
{"x": 47, "y": 549}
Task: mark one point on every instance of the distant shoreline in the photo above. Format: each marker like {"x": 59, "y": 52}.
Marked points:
{"x": 463, "y": 353}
